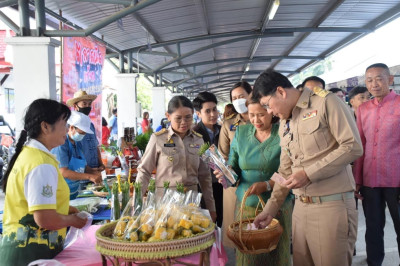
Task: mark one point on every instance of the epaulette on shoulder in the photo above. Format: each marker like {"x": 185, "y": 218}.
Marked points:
{"x": 230, "y": 116}
{"x": 321, "y": 92}
{"x": 197, "y": 134}
{"x": 162, "y": 131}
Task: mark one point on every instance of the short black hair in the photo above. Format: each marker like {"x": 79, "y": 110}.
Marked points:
{"x": 267, "y": 83}
{"x": 314, "y": 78}
{"x": 114, "y": 111}
{"x": 356, "y": 90}
{"x": 379, "y": 65}
{"x": 177, "y": 102}
{"x": 335, "y": 90}
{"x": 243, "y": 84}
{"x": 103, "y": 122}
{"x": 202, "y": 98}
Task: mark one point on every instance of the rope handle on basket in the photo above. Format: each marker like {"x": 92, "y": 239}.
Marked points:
{"x": 246, "y": 194}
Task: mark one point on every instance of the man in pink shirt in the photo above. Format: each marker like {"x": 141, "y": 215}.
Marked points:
{"x": 377, "y": 171}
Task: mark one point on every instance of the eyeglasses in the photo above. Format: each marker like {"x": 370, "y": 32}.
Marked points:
{"x": 186, "y": 119}
{"x": 266, "y": 106}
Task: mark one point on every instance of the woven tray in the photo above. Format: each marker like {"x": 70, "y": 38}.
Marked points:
{"x": 154, "y": 250}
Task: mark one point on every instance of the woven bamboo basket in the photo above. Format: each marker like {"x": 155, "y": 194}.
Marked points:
{"x": 154, "y": 250}
{"x": 254, "y": 241}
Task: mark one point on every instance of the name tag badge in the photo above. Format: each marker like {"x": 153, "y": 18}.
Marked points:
{"x": 194, "y": 145}
{"x": 310, "y": 115}
{"x": 169, "y": 145}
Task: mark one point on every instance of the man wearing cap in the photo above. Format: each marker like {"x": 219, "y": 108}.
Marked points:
{"x": 82, "y": 102}
{"x": 73, "y": 164}
{"x": 319, "y": 140}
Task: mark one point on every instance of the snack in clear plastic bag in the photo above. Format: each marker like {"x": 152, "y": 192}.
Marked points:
{"x": 216, "y": 162}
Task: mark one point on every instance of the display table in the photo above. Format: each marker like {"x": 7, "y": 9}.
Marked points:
{"x": 83, "y": 252}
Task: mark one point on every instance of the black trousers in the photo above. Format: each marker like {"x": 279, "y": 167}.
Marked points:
{"x": 374, "y": 205}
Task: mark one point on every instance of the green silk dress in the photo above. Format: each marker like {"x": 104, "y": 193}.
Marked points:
{"x": 256, "y": 162}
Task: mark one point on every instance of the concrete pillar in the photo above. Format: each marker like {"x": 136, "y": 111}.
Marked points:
{"x": 126, "y": 101}
{"x": 34, "y": 72}
{"x": 159, "y": 105}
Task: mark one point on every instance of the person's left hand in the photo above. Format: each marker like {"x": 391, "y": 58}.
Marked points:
{"x": 297, "y": 180}
{"x": 72, "y": 210}
{"x": 213, "y": 216}
{"x": 257, "y": 188}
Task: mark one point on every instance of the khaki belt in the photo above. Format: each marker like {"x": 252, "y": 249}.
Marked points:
{"x": 320, "y": 199}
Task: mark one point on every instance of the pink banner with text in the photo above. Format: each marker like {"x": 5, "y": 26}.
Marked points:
{"x": 83, "y": 60}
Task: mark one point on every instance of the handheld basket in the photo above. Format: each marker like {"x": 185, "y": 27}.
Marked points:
{"x": 254, "y": 241}
{"x": 153, "y": 250}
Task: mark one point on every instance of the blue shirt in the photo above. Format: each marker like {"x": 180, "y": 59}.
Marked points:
{"x": 64, "y": 153}
{"x": 89, "y": 148}
{"x": 114, "y": 125}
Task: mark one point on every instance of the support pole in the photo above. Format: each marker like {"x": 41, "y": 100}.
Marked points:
{"x": 121, "y": 63}
{"x": 40, "y": 17}
{"x": 130, "y": 68}
{"x": 23, "y": 7}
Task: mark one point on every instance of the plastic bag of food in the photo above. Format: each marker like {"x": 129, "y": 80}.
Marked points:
{"x": 216, "y": 162}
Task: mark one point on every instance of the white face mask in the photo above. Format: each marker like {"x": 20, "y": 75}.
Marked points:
{"x": 240, "y": 105}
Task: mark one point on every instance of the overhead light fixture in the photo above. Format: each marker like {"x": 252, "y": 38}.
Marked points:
{"x": 273, "y": 9}
{"x": 247, "y": 68}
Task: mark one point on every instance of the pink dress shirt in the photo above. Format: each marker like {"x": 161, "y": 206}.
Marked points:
{"x": 379, "y": 127}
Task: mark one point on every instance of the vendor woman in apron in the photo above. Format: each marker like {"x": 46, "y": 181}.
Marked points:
{"x": 73, "y": 164}
{"x": 173, "y": 152}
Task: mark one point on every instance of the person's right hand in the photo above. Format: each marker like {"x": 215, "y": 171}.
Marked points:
{"x": 95, "y": 178}
{"x": 263, "y": 220}
{"x": 220, "y": 176}
{"x": 78, "y": 222}
{"x": 357, "y": 192}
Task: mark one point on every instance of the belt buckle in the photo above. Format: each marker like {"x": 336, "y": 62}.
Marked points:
{"x": 306, "y": 199}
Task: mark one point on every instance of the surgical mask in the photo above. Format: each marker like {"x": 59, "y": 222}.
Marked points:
{"x": 77, "y": 136}
{"x": 240, "y": 105}
{"x": 85, "y": 110}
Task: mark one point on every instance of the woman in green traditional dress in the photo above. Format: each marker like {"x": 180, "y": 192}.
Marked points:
{"x": 254, "y": 155}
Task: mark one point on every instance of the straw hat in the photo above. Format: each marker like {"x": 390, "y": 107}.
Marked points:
{"x": 80, "y": 96}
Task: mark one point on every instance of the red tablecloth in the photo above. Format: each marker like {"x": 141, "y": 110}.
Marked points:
{"x": 83, "y": 252}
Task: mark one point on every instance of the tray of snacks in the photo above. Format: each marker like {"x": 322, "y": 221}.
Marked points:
{"x": 151, "y": 229}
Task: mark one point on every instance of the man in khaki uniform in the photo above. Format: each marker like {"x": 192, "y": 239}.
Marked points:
{"x": 319, "y": 139}
{"x": 176, "y": 160}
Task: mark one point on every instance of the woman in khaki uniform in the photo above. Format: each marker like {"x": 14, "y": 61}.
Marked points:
{"x": 239, "y": 94}
{"x": 173, "y": 152}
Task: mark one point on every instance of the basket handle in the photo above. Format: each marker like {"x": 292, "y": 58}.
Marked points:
{"x": 246, "y": 194}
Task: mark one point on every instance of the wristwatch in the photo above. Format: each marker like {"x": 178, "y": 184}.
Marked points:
{"x": 269, "y": 188}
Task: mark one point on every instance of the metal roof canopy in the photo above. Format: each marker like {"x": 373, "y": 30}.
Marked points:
{"x": 197, "y": 45}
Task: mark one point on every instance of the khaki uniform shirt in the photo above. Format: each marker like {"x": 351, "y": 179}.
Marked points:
{"x": 322, "y": 139}
{"x": 227, "y": 133}
{"x": 176, "y": 160}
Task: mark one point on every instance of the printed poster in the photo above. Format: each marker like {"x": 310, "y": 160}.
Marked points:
{"x": 83, "y": 60}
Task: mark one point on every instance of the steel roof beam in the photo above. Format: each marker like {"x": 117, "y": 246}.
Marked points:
{"x": 8, "y": 3}
{"x": 333, "y": 6}
{"x": 257, "y": 41}
{"x": 388, "y": 16}
{"x": 253, "y": 33}
{"x": 101, "y": 24}
{"x": 14, "y": 27}
{"x": 219, "y": 44}
{"x": 208, "y": 70}
{"x": 111, "y": 2}
{"x": 243, "y": 59}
